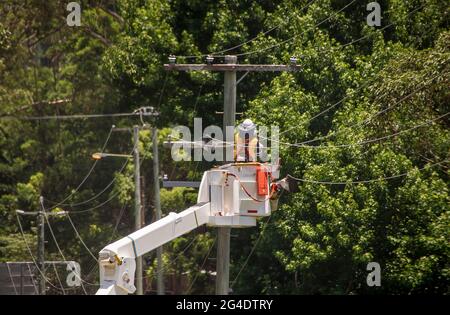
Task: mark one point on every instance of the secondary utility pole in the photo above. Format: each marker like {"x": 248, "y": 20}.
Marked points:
{"x": 41, "y": 240}
{"x": 137, "y": 205}
{"x": 223, "y": 233}
{"x": 229, "y": 68}
{"x": 159, "y": 269}
{"x": 139, "y": 211}
{"x": 41, "y": 248}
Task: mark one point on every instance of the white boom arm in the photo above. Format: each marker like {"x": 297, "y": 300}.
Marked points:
{"x": 117, "y": 260}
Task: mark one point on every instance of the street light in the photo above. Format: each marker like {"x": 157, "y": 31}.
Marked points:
{"x": 21, "y": 212}
{"x": 101, "y": 155}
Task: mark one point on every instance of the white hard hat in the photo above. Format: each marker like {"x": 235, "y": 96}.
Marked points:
{"x": 247, "y": 127}
{"x": 247, "y": 124}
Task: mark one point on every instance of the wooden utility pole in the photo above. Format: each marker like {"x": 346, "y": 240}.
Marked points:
{"x": 41, "y": 240}
{"x": 137, "y": 206}
{"x": 143, "y": 210}
{"x": 41, "y": 248}
{"x": 229, "y": 117}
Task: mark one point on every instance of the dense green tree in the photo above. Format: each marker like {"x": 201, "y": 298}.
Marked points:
{"x": 367, "y": 103}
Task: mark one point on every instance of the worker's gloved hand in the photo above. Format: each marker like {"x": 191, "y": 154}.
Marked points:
{"x": 289, "y": 184}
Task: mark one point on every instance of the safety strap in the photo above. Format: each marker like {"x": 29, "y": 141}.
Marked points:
{"x": 134, "y": 246}
{"x": 195, "y": 215}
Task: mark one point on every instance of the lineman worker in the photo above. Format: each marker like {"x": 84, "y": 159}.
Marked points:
{"x": 246, "y": 142}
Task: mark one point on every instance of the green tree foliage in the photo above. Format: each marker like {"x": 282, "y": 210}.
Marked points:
{"x": 365, "y": 105}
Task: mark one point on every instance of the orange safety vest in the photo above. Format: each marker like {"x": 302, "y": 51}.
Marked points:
{"x": 245, "y": 149}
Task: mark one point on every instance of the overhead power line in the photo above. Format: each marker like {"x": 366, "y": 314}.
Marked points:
{"x": 364, "y": 122}
{"x": 178, "y": 256}
{"x": 98, "y": 194}
{"x": 202, "y": 265}
{"x": 59, "y": 280}
{"x": 251, "y": 251}
{"x": 295, "y": 36}
{"x": 365, "y": 84}
{"x": 364, "y": 142}
{"x": 142, "y": 111}
{"x": 304, "y": 144}
{"x": 32, "y": 256}
{"x": 320, "y": 23}
{"x": 364, "y": 181}
{"x": 80, "y": 116}
{"x": 21, "y": 108}
{"x": 88, "y": 174}
{"x": 79, "y": 237}
{"x": 104, "y": 202}
{"x": 219, "y": 53}
{"x": 93, "y": 266}
{"x": 57, "y": 244}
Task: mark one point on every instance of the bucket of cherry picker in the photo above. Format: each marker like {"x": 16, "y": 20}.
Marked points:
{"x": 239, "y": 189}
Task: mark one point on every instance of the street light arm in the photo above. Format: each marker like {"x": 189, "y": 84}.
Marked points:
{"x": 100, "y": 155}
{"x": 21, "y": 212}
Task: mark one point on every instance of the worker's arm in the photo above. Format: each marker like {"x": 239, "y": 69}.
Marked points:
{"x": 117, "y": 260}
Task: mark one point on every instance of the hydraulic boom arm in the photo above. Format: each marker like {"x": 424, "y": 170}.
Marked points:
{"x": 233, "y": 195}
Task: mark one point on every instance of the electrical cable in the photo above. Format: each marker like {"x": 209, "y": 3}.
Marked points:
{"x": 80, "y": 116}
{"x": 59, "y": 280}
{"x": 98, "y": 194}
{"x": 365, "y": 84}
{"x": 251, "y": 251}
{"x": 11, "y": 277}
{"x": 113, "y": 196}
{"x": 325, "y": 110}
{"x": 32, "y": 279}
{"x": 324, "y": 137}
{"x": 90, "y": 209}
{"x": 79, "y": 237}
{"x": 32, "y": 256}
{"x": 101, "y": 192}
{"x": 342, "y": 46}
{"x": 106, "y": 201}
{"x": 202, "y": 265}
{"x": 218, "y": 53}
{"x": 247, "y": 192}
{"x": 359, "y": 124}
{"x": 57, "y": 245}
{"x": 94, "y": 266}
{"x": 363, "y": 181}
{"x": 295, "y": 36}
{"x": 87, "y": 175}
{"x": 364, "y": 142}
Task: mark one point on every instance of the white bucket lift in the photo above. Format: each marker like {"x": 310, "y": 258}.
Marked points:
{"x": 232, "y": 195}
{"x": 238, "y": 193}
